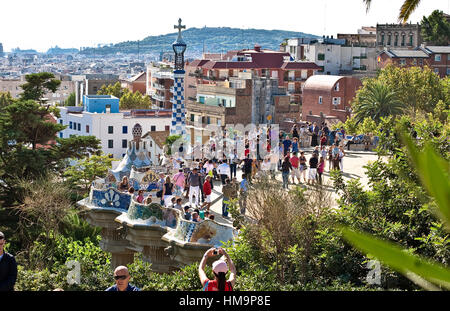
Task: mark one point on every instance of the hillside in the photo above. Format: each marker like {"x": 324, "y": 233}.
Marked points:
{"x": 214, "y": 39}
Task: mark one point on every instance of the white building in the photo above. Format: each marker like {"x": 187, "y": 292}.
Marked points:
{"x": 332, "y": 55}
{"x": 114, "y": 130}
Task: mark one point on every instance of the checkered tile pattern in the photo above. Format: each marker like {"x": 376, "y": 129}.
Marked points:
{"x": 178, "y": 110}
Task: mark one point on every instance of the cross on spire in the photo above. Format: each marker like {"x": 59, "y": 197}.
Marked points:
{"x": 179, "y": 27}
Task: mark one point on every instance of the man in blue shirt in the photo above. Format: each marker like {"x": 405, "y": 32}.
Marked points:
{"x": 286, "y": 144}
{"x": 243, "y": 188}
{"x": 122, "y": 277}
{"x": 8, "y": 267}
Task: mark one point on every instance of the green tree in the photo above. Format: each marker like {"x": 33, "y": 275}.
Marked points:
{"x": 85, "y": 171}
{"x": 376, "y": 100}
{"x": 112, "y": 89}
{"x": 407, "y": 8}
{"x": 38, "y": 84}
{"x": 5, "y": 99}
{"x": 436, "y": 29}
{"x": 71, "y": 100}
{"x": 134, "y": 100}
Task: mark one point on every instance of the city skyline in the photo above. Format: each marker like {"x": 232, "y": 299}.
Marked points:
{"x": 91, "y": 23}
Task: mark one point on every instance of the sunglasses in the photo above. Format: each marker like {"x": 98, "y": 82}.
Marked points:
{"x": 120, "y": 277}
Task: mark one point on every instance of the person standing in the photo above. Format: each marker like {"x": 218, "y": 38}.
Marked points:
{"x": 315, "y": 134}
{"x": 207, "y": 191}
{"x": 320, "y": 169}
{"x": 341, "y": 158}
{"x": 224, "y": 171}
{"x": 220, "y": 269}
{"x": 313, "y": 162}
{"x": 122, "y": 278}
{"x": 194, "y": 187}
{"x": 295, "y": 168}
{"x": 167, "y": 192}
{"x": 286, "y": 168}
{"x": 243, "y": 188}
{"x": 247, "y": 167}
{"x": 286, "y": 145}
{"x": 228, "y": 194}
{"x": 295, "y": 145}
{"x": 303, "y": 166}
{"x": 234, "y": 161}
{"x": 295, "y": 132}
{"x": 179, "y": 180}
{"x": 8, "y": 267}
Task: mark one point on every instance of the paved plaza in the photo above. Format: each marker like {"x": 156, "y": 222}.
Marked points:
{"x": 353, "y": 163}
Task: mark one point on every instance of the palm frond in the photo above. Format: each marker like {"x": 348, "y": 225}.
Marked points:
{"x": 368, "y": 3}
{"x": 408, "y": 7}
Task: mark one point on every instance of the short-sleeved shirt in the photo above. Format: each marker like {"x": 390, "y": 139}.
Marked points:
{"x": 294, "y": 161}
{"x": 286, "y": 144}
{"x": 194, "y": 180}
{"x": 130, "y": 288}
{"x": 313, "y": 162}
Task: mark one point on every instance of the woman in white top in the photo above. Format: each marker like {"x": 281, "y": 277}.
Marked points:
{"x": 341, "y": 157}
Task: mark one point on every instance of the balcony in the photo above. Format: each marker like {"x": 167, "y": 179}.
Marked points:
{"x": 292, "y": 79}
{"x": 158, "y": 97}
{"x": 158, "y": 86}
{"x": 163, "y": 75}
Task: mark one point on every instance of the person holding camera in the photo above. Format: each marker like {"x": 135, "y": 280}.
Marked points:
{"x": 220, "y": 269}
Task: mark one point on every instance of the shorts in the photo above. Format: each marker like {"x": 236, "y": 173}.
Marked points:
{"x": 208, "y": 198}
{"x": 295, "y": 172}
{"x": 312, "y": 173}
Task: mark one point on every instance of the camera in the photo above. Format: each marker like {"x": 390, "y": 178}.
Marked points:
{"x": 215, "y": 252}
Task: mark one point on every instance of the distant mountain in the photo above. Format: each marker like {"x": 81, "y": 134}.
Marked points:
{"x": 58, "y": 50}
{"x": 214, "y": 40}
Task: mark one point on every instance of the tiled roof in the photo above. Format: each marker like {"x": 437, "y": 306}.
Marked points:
{"x": 300, "y": 65}
{"x": 405, "y": 53}
{"x": 159, "y": 137}
{"x": 198, "y": 62}
{"x": 436, "y": 49}
{"x": 136, "y": 77}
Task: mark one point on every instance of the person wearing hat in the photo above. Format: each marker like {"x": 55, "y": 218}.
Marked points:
{"x": 8, "y": 267}
{"x": 220, "y": 269}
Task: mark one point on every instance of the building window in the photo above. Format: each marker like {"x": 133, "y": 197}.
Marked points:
{"x": 336, "y": 101}
{"x": 61, "y": 134}
{"x": 79, "y": 127}
{"x": 124, "y": 143}
{"x": 153, "y": 128}
{"x": 421, "y": 62}
{"x": 61, "y": 121}
{"x": 151, "y": 143}
{"x": 389, "y": 40}
{"x": 448, "y": 71}
{"x": 208, "y": 120}
{"x": 110, "y": 143}
{"x": 403, "y": 39}
{"x": 167, "y": 128}
{"x": 436, "y": 70}
{"x": 70, "y": 124}
{"x": 437, "y": 57}
{"x": 124, "y": 129}
{"x": 382, "y": 39}
{"x": 448, "y": 56}
{"x": 87, "y": 128}
{"x": 320, "y": 100}
{"x": 410, "y": 39}
{"x": 414, "y": 61}
{"x": 396, "y": 40}
{"x": 192, "y": 117}
{"x": 110, "y": 129}
{"x": 402, "y": 62}
{"x": 320, "y": 56}
{"x": 336, "y": 87}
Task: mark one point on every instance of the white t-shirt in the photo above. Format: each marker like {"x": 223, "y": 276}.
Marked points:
{"x": 224, "y": 169}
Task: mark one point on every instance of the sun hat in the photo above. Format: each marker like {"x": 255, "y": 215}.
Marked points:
{"x": 220, "y": 266}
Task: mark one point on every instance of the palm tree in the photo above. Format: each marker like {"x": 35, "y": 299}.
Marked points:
{"x": 377, "y": 100}
{"x": 408, "y": 7}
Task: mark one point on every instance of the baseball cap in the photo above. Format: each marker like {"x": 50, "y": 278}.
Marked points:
{"x": 220, "y": 266}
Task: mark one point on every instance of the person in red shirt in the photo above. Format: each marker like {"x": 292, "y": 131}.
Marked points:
{"x": 207, "y": 193}
{"x": 295, "y": 168}
{"x": 220, "y": 269}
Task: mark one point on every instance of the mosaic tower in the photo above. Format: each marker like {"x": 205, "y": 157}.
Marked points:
{"x": 178, "y": 110}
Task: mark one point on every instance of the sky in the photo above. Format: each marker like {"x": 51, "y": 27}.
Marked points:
{"x": 45, "y": 23}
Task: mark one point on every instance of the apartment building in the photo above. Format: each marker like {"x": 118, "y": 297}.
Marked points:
{"x": 160, "y": 84}
{"x": 100, "y": 116}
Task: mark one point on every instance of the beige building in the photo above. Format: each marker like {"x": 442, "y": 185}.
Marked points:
{"x": 398, "y": 36}
{"x": 59, "y": 97}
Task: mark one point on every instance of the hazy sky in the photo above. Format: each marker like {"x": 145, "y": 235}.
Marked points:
{"x": 46, "y": 23}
